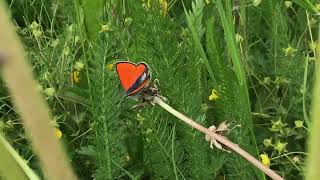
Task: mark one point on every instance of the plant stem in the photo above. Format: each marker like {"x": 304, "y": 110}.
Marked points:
{"x": 17, "y": 74}
{"x": 220, "y": 139}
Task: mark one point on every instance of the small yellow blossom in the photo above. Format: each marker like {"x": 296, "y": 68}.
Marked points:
{"x": 204, "y": 107}
{"x": 58, "y": 133}
{"x": 76, "y": 39}
{"x": 149, "y": 131}
{"x": 50, "y": 91}
{"x": 277, "y": 125}
{"x": 105, "y": 28}
{"x": 55, "y": 43}
{"x": 280, "y": 147}
{"x": 207, "y": 1}
{"x": 75, "y": 76}
{"x": 289, "y": 51}
{"x": 126, "y": 158}
{"x": 140, "y": 119}
{"x": 298, "y": 124}
{"x": 36, "y": 29}
{"x": 239, "y": 38}
{"x": 288, "y": 4}
{"x": 37, "y": 33}
{"x": 128, "y": 20}
{"x": 265, "y": 159}
{"x": 79, "y": 65}
{"x": 164, "y": 7}
{"x": 313, "y": 45}
{"x": 34, "y": 25}
{"x": 110, "y": 66}
{"x": 214, "y": 95}
{"x": 66, "y": 51}
{"x": 296, "y": 159}
{"x": 267, "y": 142}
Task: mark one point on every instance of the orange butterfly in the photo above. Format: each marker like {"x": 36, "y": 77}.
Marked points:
{"x": 133, "y": 77}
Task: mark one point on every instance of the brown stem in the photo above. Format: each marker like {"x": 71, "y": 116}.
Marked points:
{"x": 220, "y": 139}
{"x": 34, "y": 112}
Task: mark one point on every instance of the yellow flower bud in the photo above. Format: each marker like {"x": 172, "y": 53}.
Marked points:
{"x": 265, "y": 159}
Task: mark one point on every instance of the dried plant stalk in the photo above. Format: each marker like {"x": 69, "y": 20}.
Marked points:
{"x": 17, "y": 74}
{"x": 221, "y": 139}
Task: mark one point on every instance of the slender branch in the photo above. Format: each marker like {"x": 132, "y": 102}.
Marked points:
{"x": 220, "y": 139}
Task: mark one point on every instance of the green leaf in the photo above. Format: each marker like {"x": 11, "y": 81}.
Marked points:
{"x": 306, "y": 4}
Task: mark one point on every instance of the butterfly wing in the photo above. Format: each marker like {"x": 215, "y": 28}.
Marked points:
{"x": 133, "y": 77}
{"x": 140, "y": 83}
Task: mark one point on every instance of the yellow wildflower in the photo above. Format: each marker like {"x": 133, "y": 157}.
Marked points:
{"x": 164, "y": 7}
{"x": 289, "y": 51}
{"x": 58, "y": 133}
{"x": 79, "y": 65}
{"x": 280, "y": 147}
{"x": 213, "y": 96}
{"x": 288, "y": 4}
{"x": 126, "y": 158}
{"x": 110, "y": 66}
{"x": 75, "y": 76}
{"x": 313, "y": 45}
{"x": 105, "y": 28}
{"x": 239, "y": 38}
{"x": 50, "y": 91}
{"x": 267, "y": 142}
{"x": 55, "y": 43}
{"x": 265, "y": 159}
{"x": 66, "y": 51}
{"x": 298, "y": 124}
{"x": 36, "y": 29}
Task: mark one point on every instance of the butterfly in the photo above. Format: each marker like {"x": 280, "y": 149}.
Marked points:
{"x": 133, "y": 77}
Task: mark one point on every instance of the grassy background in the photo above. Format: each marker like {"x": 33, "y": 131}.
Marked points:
{"x": 257, "y": 55}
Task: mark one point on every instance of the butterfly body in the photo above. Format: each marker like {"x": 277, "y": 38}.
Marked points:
{"x": 133, "y": 77}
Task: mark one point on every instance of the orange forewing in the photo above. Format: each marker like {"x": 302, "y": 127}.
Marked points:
{"x": 129, "y": 73}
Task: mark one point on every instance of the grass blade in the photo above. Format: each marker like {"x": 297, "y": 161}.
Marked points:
{"x": 314, "y": 143}
{"x": 12, "y": 166}
{"x": 243, "y": 96}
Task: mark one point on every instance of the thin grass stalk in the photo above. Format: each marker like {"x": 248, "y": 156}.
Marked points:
{"x": 17, "y": 74}
{"x": 14, "y": 167}
{"x": 198, "y": 45}
{"x": 239, "y": 70}
{"x": 234, "y": 147}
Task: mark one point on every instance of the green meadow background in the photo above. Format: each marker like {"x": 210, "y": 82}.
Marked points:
{"x": 251, "y": 63}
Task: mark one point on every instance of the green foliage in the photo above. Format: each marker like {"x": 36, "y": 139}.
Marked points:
{"x": 259, "y": 58}
{"x": 92, "y": 12}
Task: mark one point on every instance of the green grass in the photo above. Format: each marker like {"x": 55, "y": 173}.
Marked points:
{"x": 258, "y": 57}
